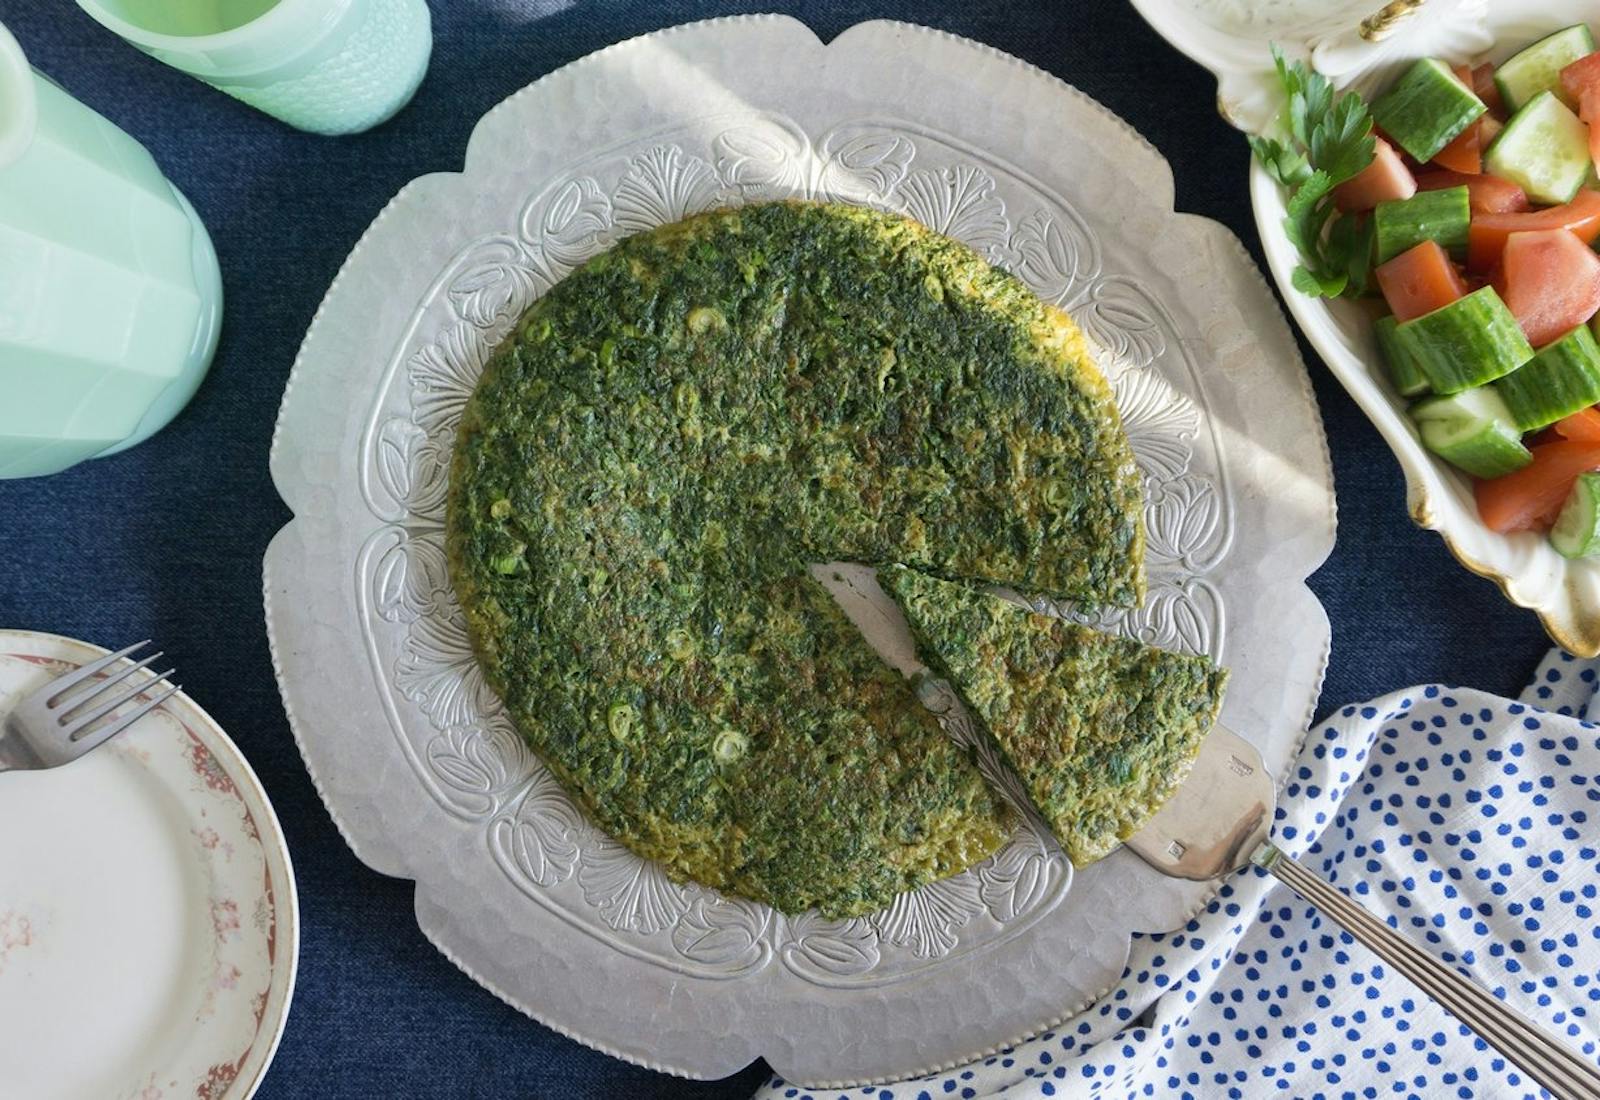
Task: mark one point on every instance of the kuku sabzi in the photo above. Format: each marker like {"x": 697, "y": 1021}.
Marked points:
{"x": 1101, "y": 730}
{"x": 663, "y": 443}
{"x": 1483, "y": 213}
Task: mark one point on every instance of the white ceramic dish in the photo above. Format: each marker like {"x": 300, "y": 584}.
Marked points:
{"x": 1231, "y": 37}
{"x": 148, "y": 924}
{"x": 1354, "y": 42}
{"x": 410, "y": 750}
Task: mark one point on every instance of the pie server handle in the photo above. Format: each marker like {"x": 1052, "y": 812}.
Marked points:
{"x": 1219, "y": 820}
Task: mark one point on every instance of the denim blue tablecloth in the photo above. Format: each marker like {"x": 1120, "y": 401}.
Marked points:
{"x": 1464, "y": 819}
{"x": 165, "y": 541}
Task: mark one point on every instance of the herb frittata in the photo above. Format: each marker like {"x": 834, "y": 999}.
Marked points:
{"x": 1101, "y": 730}
{"x": 672, "y": 433}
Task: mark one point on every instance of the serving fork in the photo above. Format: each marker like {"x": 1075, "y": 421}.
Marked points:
{"x": 78, "y": 711}
{"x": 1219, "y": 821}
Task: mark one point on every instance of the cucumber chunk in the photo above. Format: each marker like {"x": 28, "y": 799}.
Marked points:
{"x": 1538, "y": 67}
{"x": 1472, "y": 431}
{"x": 1577, "y": 530}
{"x": 1406, "y": 377}
{"x": 1544, "y": 149}
{"x": 1471, "y": 341}
{"x": 1442, "y": 216}
{"x": 1426, "y": 109}
{"x": 1560, "y": 379}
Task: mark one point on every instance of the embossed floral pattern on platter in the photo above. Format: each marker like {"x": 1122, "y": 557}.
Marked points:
{"x": 463, "y": 747}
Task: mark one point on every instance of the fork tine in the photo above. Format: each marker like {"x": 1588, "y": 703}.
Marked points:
{"x": 66, "y": 683}
{"x": 95, "y": 690}
{"x": 87, "y": 741}
{"x": 83, "y": 722}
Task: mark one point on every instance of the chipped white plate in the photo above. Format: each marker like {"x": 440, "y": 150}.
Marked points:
{"x": 413, "y": 754}
{"x": 148, "y": 926}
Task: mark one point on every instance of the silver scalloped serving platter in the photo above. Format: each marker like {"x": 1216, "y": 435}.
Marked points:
{"x": 410, "y": 749}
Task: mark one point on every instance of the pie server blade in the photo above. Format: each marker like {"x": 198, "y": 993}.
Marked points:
{"x": 1217, "y": 818}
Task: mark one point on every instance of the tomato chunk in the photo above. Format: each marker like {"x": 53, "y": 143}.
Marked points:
{"x": 1529, "y": 498}
{"x": 1487, "y": 90}
{"x": 1551, "y": 283}
{"x": 1419, "y": 281}
{"x": 1487, "y": 237}
{"x": 1464, "y": 153}
{"x": 1385, "y": 179}
{"x": 1590, "y": 106}
{"x": 1581, "y": 81}
{"x": 1582, "y": 426}
{"x": 1485, "y": 194}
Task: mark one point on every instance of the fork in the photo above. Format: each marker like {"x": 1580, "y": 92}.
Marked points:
{"x": 76, "y": 712}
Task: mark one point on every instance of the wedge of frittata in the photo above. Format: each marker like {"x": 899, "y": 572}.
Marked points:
{"x": 1101, "y": 730}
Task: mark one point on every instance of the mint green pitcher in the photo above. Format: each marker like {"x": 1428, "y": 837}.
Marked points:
{"x": 110, "y": 297}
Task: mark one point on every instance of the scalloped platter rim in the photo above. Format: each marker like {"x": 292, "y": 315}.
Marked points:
{"x": 410, "y": 750}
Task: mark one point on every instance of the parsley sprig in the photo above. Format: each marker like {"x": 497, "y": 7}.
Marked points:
{"x": 1328, "y": 140}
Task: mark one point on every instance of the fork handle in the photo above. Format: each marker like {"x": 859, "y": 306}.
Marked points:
{"x": 1565, "y": 1074}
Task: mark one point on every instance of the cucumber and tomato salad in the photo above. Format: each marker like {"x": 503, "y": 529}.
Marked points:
{"x": 1477, "y": 211}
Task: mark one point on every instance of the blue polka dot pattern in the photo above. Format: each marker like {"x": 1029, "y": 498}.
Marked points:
{"x": 1470, "y": 822}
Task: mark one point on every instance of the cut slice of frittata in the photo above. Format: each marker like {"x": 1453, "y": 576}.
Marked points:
{"x": 1101, "y": 730}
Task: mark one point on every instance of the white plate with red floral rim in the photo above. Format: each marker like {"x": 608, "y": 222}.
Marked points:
{"x": 148, "y": 923}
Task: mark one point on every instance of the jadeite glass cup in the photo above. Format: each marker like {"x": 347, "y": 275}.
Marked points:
{"x": 110, "y": 297}
{"x": 326, "y": 66}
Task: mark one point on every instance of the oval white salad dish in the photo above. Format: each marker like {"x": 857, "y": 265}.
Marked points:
{"x": 1365, "y": 46}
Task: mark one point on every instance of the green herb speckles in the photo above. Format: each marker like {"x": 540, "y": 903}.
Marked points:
{"x": 1101, "y": 730}
{"x": 672, "y": 433}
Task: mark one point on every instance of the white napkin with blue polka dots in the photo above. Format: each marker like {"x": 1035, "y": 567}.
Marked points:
{"x": 1470, "y": 821}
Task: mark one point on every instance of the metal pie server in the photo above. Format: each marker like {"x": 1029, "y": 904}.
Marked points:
{"x": 1219, "y": 821}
